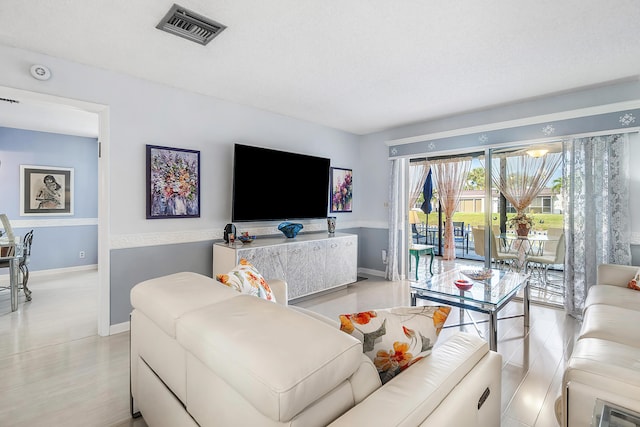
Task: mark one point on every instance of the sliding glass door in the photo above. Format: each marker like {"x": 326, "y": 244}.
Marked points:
{"x": 509, "y": 214}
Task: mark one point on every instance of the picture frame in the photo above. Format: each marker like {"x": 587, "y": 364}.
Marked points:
{"x": 173, "y": 182}
{"x": 341, "y": 190}
{"x": 46, "y": 190}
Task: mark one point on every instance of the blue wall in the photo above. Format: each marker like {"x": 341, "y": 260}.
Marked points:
{"x": 57, "y": 239}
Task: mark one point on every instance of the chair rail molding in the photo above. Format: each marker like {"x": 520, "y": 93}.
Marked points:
{"x": 125, "y": 241}
{"x": 59, "y": 222}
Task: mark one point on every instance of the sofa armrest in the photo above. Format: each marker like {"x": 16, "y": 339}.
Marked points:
{"x": 317, "y": 316}
{"x": 279, "y": 289}
{"x": 615, "y": 274}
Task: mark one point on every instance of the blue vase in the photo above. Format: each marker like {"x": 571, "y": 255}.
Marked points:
{"x": 289, "y": 229}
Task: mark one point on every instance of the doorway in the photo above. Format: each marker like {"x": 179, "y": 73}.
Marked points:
{"x": 102, "y": 111}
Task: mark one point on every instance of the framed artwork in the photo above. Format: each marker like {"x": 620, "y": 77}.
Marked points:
{"x": 173, "y": 183}
{"x": 341, "y": 190}
{"x": 46, "y": 190}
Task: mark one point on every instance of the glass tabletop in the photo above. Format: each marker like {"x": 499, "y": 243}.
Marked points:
{"x": 606, "y": 414}
{"x": 489, "y": 293}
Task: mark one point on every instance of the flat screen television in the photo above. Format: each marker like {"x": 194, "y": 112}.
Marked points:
{"x": 278, "y": 185}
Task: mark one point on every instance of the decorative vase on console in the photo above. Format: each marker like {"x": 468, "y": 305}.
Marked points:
{"x": 331, "y": 224}
{"x": 290, "y": 229}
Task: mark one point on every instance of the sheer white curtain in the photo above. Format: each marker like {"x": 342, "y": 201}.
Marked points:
{"x": 418, "y": 172}
{"x": 597, "y": 219}
{"x": 449, "y": 176}
{"x": 396, "y": 211}
{"x": 524, "y": 176}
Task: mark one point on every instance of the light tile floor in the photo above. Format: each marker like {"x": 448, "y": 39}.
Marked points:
{"x": 56, "y": 371}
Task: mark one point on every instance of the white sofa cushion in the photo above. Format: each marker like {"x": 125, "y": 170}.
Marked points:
{"x": 283, "y": 381}
{"x": 600, "y": 369}
{"x": 618, "y": 296}
{"x": 616, "y": 274}
{"x": 611, "y": 323}
{"x": 165, "y": 299}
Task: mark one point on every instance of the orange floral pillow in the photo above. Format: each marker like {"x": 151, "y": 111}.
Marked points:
{"x": 633, "y": 283}
{"x": 396, "y": 338}
{"x": 246, "y": 279}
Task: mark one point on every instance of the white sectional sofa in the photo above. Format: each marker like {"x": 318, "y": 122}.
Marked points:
{"x": 204, "y": 354}
{"x": 605, "y": 361}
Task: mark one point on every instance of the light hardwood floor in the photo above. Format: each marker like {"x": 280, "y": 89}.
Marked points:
{"x": 55, "y": 370}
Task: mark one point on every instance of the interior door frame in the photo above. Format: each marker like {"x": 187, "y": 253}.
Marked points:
{"x": 104, "y": 286}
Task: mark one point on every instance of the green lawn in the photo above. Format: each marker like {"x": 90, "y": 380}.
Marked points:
{"x": 540, "y": 221}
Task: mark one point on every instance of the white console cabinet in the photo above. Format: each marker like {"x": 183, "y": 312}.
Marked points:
{"x": 309, "y": 263}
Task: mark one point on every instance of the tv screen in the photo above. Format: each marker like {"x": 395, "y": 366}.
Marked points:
{"x": 277, "y": 185}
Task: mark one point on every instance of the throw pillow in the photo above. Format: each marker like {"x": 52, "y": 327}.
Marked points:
{"x": 246, "y": 279}
{"x": 396, "y": 338}
{"x": 633, "y": 283}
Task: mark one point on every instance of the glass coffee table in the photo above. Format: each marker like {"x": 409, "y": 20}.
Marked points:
{"x": 607, "y": 414}
{"x": 487, "y": 296}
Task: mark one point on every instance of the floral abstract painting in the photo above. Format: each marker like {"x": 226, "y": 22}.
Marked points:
{"x": 341, "y": 190}
{"x": 173, "y": 183}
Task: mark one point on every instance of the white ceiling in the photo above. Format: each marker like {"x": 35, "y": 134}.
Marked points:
{"x": 357, "y": 65}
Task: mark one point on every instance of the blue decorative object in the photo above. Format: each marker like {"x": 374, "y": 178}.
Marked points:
{"x": 289, "y": 229}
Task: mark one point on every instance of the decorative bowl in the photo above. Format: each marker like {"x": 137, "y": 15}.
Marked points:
{"x": 290, "y": 229}
{"x": 483, "y": 274}
{"x": 246, "y": 239}
{"x": 463, "y": 285}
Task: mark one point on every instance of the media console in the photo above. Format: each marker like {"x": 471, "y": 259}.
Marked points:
{"x": 309, "y": 263}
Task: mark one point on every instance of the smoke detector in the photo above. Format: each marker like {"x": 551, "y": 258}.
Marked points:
{"x": 40, "y": 72}
{"x": 190, "y": 25}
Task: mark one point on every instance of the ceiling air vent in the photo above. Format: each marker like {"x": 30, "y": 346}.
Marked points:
{"x": 185, "y": 23}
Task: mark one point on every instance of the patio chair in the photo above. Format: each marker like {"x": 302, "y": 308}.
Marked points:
{"x": 460, "y": 235}
{"x": 417, "y": 237}
{"x": 539, "y": 266}
{"x": 498, "y": 257}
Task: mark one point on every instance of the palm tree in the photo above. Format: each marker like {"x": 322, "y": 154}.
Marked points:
{"x": 475, "y": 179}
{"x": 557, "y": 185}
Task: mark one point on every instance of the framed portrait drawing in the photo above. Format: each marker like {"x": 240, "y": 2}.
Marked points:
{"x": 173, "y": 183}
{"x": 341, "y": 189}
{"x": 46, "y": 190}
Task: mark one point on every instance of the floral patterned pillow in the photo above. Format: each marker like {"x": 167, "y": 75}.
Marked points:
{"x": 633, "y": 283}
{"x": 246, "y": 279}
{"x": 396, "y": 338}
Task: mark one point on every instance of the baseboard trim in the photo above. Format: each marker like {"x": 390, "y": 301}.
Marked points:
{"x": 53, "y": 271}
{"x": 371, "y": 272}
{"x": 119, "y": 328}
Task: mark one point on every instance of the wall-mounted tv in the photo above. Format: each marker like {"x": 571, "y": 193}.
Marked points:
{"x": 278, "y": 185}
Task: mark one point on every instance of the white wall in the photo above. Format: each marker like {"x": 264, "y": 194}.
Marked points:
{"x": 142, "y": 113}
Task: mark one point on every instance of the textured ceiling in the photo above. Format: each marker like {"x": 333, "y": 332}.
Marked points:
{"x": 358, "y": 65}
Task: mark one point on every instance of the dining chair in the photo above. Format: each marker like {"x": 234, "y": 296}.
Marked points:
{"x": 8, "y": 233}
{"x": 539, "y": 265}
{"x": 23, "y": 263}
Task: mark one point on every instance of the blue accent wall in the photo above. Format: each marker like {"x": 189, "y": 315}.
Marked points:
{"x": 57, "y": 240}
